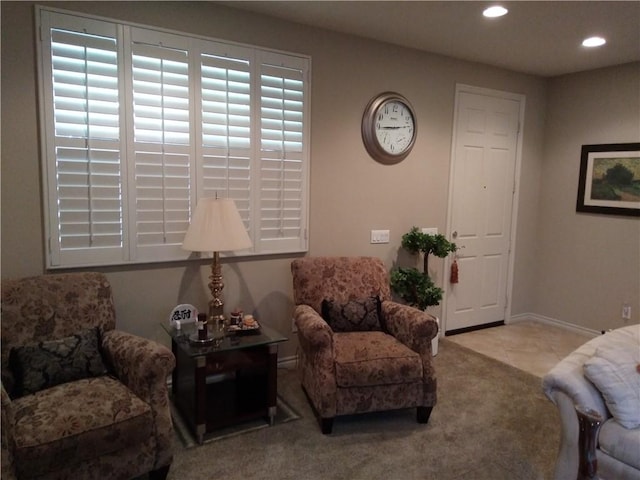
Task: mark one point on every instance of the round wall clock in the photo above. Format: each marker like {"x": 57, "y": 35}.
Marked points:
{"x": 389, "y": 127}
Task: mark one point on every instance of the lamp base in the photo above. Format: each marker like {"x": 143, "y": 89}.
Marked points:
{"x": 195, "y": 340}
{"x": 216, "y": 285}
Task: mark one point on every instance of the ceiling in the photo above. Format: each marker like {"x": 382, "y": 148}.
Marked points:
{"x": 540, "y": 38}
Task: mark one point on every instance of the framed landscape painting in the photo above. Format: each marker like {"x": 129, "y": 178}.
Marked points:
{"x": 610, "y": 179}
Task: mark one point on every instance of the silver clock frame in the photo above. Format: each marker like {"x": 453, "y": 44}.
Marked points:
{"x": 369, "y": 137}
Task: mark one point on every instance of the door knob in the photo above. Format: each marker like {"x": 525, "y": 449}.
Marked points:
{"x": 455, "y": 234}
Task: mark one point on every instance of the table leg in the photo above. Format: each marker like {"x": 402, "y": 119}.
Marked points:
{"x": 201, "y": 397}
{"x": 589, "y": 421}
{"x": 272, "y": 383}
{"x": 174, "y": 373}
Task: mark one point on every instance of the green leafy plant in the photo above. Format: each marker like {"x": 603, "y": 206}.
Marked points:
{"x": 412, "y": 285}
{"x": 415, "y": 288}
{"x": 619, "y": 175}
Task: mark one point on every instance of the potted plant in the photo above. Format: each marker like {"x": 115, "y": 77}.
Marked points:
{"x": 412, "y": 285}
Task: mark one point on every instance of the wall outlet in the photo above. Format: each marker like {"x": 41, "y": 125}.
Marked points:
{"x": 379, "y": 236}
{"x": 430, "y": 230}
{"x": 626, "y": 311}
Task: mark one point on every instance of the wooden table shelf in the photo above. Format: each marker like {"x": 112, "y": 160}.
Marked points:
{"x": 219, "y": 385}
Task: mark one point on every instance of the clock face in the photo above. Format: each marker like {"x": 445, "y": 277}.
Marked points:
{"x": 394, "y": 127}
{"x": 389, "y": 128}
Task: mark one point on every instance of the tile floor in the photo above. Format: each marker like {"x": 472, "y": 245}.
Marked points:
{"x": 530, "y": 346}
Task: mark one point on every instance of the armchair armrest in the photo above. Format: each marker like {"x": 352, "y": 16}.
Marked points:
{"x": 317, "y": 359}
{"x": 409, "y": 325}
{"x": 313, "y": 331}
{"x": 141, "y": 364}
{"x": 415, "y": 329}
{"x": 144, "y": 366}
{"x": 6, "y": 400}
{"x": 6, "y": 431}
{"x": 567, "y": 377}
{"x": 6, "y": 459}
{"x": 566, "y": 386}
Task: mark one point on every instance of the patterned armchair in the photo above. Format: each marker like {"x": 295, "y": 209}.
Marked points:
{"x": 80, "y": 399}
{"x": 348, "y": 363}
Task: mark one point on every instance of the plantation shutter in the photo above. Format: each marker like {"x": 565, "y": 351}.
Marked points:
{"x": 283, "y": 127}
{"x": 138, "y": 124}
{"x": 226, "y": 126}
{"x": 83, "y": 142}
{"x": 161, "y": 144}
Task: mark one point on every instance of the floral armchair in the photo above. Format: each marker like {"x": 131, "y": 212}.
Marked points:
{"x": 359, "y": 350}
{"x": 80, "y": 399}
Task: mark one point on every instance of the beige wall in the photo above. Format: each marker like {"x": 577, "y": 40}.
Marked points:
{"x": 350, "y": 193}
{"x": 589, "y": 264}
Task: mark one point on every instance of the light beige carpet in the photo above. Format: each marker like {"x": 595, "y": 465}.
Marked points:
{"x": 492, "y": 422}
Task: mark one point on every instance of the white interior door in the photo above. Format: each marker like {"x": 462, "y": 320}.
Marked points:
{"x": 482, "y": 192}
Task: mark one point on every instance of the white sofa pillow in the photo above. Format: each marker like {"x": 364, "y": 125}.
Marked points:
{"x": 615, "y": 372}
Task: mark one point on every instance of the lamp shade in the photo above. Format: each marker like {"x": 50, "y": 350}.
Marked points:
{"x": 216, "y": 226}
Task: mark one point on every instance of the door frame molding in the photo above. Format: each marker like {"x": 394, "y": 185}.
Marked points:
{"x": 521, "y": 99}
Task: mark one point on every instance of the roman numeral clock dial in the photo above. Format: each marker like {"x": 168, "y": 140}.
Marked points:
{"x": 389, "y": 128}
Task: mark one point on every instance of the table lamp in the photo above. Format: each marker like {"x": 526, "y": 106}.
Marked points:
{"x": 216, "y": 227}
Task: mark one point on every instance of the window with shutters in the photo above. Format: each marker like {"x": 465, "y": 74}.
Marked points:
{"x": 139, "y": 123}
{"x": 281, "y": 152}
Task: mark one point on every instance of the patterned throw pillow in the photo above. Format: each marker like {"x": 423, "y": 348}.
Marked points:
{"x": 41, "y": 365}
{"x": 353, "y": 316}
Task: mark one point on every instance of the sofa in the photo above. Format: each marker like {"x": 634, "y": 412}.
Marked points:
{"x": 359, "y": 350}
{"x": 80, "y": 399}
{"x": 602, "y": 376}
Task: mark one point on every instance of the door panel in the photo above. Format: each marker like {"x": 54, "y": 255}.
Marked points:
{"x": 483, "y": 169}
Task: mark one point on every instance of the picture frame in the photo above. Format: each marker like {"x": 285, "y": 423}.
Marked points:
{"x": 610, "y": 179}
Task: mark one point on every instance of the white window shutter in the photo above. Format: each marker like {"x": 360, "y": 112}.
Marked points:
{"x": 283, "y": 157}
{"x": 226, "y": 109}
{"x": 161, "y": 148}
{"x": 83, "y": 143}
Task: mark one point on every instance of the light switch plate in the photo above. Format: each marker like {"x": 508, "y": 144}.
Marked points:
{"x": 379, "y": 236}
{"x": 430, "y": 230}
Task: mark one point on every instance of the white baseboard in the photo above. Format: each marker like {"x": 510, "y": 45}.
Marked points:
{"x": 288, "y": 362}
{"x": 534, "y": 317}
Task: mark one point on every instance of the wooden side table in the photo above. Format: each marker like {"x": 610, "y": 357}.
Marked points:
{"x": 229, "y": 382}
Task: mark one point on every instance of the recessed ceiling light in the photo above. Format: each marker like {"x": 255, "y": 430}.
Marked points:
{"x": 495, "y": 11}
{"x": 593, "y": 42}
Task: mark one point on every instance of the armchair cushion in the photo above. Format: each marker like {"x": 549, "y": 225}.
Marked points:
{"x": 41, "y": 365}
{"x": 613, "y": 369}
{"x": 77, "y": 421}
{"x": 353, "y": 316}
{"x": 364, "y": 359}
